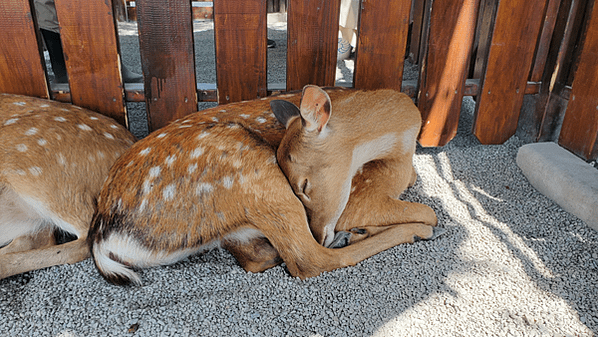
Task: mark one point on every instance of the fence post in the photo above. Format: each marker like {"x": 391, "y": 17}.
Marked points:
{"x": 444, "y": 69}
{"x": 168, "y": 59}
{"x": 240, "y": 35}
{"x": 579, "y": 132}
{"x": 22, "y": 71}
{"x": 90, "y": 45}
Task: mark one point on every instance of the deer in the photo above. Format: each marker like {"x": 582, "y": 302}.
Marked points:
{"x": 54, "y": 158}
{"x": 277, "y": 179}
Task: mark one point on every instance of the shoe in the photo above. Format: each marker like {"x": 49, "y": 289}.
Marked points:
{"x": 344, "y": 49}
{"x": 131, "y": 77}
{"x": 271, "y": 43}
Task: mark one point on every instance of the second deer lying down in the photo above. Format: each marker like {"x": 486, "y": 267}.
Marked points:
{"x": 213, "y": 178}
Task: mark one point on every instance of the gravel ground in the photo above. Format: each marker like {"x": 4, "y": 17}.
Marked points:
{"x": 511, "y": 263}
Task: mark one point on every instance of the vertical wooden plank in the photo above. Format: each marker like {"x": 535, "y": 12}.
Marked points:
{"x": 483, "y": 35}
{"x": 579, "y": 132}
{"x": 417, "y": 11}
{"x": 312, "y": 42}
{"x": 444, "y": 69}
{"x": 90, "y": 45}
{"x": 544, "y": 42}
{"x": 240, "y": 39}
{"x": 22, "y": 70}
{"x": 507, "y": 69}
{"x": 168, "y": 59}
{"x": 382, "y": 39}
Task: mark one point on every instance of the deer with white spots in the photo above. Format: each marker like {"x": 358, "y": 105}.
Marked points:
{"x": 217, "y": 178}
{"x": 54, "y": 158}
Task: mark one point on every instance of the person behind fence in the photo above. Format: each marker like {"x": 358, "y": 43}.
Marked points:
{"x": 47, "y": 21}
{"x": 347, "y": 39}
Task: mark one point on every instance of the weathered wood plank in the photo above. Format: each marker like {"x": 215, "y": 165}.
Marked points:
{"x": 417, "y": 11}
{"x": 312, "y": 41}
{"x": 444, "y": 69}
{"x": 382, "y": 39}
{"x": 541, "y": 56}
{"x": 507, "y": 68}
{"x": 90, "y": 45}
{"x": 240, "y": 39}
{"x": 167, "y": 58}
{"x": 579, "y": 132}
{"x": 22, "y": 70}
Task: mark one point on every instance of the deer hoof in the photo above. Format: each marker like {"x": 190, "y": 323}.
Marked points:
{"x": 436, "y": 232}
{"x": 341, "y": 239}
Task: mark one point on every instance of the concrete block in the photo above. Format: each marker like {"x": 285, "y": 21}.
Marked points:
{"x": 563, "y": 177}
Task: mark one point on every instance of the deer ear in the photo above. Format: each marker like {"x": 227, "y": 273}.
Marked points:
{"x": 284, "y": 111}
{"x": 315, "y": 108}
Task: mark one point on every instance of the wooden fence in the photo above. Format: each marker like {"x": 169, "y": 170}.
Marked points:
{"x": 502, "y": 52}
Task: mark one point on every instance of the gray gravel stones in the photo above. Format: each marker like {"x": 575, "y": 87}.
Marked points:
{"x": 512, "y": 263}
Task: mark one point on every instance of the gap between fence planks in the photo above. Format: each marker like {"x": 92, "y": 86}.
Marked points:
{"x": 90, "y": 46}
{"x": 23, "y": 68}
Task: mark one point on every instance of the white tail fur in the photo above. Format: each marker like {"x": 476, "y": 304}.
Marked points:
{"x": 54, "y": 159}
{"x": 215, "y": 177}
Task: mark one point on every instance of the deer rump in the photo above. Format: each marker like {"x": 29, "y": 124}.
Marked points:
{"x": 235, "y": 176}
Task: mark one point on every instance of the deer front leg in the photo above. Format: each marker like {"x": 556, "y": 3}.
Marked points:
{"x": 373, "y": 207}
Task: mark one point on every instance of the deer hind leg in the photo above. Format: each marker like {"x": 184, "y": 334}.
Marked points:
{"x": 33, "y": 248}
{"x": 373, "y": 205}
{"x": 255, "y": 254}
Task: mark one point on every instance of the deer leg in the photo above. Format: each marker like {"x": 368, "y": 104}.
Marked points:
{"x": 254, "y": 255}
{"x": 20, "y": 262}
{"x": 40, "y": 239}
{"x": 373, "y": 203}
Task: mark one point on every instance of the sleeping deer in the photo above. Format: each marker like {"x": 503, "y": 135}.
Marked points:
{"x": 217, "y": 177}
{"x": 54, "y": 158}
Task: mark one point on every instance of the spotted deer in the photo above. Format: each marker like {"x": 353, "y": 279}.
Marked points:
{"x": 54, "y": 158}
{"x": 217, "y": 177}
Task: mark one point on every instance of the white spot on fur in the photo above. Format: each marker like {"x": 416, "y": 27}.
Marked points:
{"x": 203, "y": 189}
{"x": 143, "y": 205}
{"x": 108, "y": 135}
{"x": 192, "y": 168}
{"x": 147, "y": 186}
{"x": 42, "y": 142}
{"x": 197, "y": 152}
{"x": 228, "y": 181}
{"x": 21, "y": 147}
{"x": 61, "y": 159}
{"x": 215, "y": 119}
{"x": 35, "y": 170}
{"x": 31, "y": 132}
{"x": 58, "y": 136}
{"x": 162, "y": 135}
{"x": 203, "y": 135}
{"x": 145, "y": 151}
{"x": 154, "y": 171}
{"x": 244, "y": 116}
{"x": 93, "y": 118}
{"x": 261, "y": 120}
{"x": 169, "y": 192}
{"x": 101, "y": 155}
{"x": 84, "y": 127}
{"x": 11, "y": 121}
{"x": 114, "y": 126}
{"x": 44, "y": 106}
{"x": 60, "y": 119}
{"x": 182, "y": 126}
{"x": 19, "y": 103}
{"x": 170, "y": 160}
